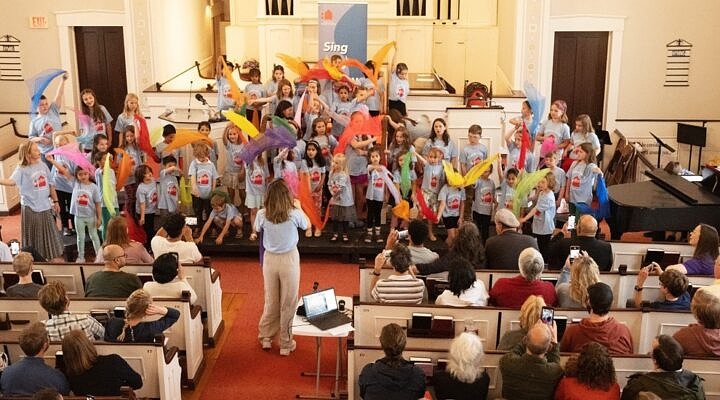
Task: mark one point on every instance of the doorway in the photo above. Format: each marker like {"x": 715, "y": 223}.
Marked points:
{"x": 579, "y": 73}
{"x": 100, "y": 56}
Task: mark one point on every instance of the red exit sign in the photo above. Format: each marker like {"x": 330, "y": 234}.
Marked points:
{"x": 38, "y": 22}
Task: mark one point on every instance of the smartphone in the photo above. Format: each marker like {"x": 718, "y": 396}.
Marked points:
{"x": 547, "y": 315}
{"x": 14, "y": 248}
{"x": 571, "y": 222}
{"x": 574, "y": 253}
{"x": 191, "y": 221}
{"x": 402, "y": 234}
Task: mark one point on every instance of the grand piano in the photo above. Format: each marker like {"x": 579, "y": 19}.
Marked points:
{"x": 665, "y": 203}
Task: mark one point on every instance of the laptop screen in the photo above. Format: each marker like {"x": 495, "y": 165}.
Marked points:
{"x": 319, "y": 302}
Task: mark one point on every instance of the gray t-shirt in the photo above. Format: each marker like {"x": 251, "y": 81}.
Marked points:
{"x": 146, "y": 193}
{"x": 453, "y": 198}
{"x": 24, "y": 290}
{"x": 484, "y": 196}
{"x": 581, "y": 179}
{"x": 473, "y": 154}
{"x": 433, "y": 178}
{"x": 544, "y": 218}
{"x": 83, "y": 200}
{"x": 344, "y": 195}
{"x": 44, "y": 125}
{"x": 204, "y": 174}
{"x": 422, "y": 255}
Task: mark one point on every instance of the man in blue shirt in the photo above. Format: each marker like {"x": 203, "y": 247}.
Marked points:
{"x": 31, "y": 374}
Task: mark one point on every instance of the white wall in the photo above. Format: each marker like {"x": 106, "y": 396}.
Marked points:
{"x": 40, "y": 51}
{"x": 648, "y": 26}
{"x": 507, "y": 18}
{"x": 181, "y": 32}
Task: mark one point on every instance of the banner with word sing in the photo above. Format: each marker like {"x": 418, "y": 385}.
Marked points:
{"x": 343, "y": 31}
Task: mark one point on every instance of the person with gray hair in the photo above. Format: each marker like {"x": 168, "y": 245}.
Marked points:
{"x": 464, "y": 378}
{"x": 532, "y": 369}
{"x": 512, "y": 292}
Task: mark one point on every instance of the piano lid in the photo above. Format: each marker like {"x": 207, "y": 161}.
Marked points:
{"x": 688, "y": 192}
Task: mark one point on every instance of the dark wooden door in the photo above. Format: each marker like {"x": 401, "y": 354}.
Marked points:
{"x": 101, "y": 64}
{"x": 579, "y": 66}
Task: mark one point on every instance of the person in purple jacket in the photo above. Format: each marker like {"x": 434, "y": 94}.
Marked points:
{"x": 705, "y": 240}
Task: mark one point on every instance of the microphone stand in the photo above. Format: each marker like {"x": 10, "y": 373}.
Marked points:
{"x": 661, "y": 144}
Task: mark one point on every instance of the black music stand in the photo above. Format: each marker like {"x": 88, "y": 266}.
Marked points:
{"x": 661, "y": 144}
{"x": 692, "y": 135}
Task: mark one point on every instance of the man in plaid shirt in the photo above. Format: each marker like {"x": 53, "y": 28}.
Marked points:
{"x": 55, "y": 301}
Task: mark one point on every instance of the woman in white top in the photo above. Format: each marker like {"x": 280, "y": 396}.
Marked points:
{"x": 168, "y": 278}
{"x": 465, "y": 289}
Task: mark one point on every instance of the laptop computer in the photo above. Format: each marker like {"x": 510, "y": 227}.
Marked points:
{"x": 321, "y": 310}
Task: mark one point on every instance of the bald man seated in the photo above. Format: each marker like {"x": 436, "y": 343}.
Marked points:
{"x": 111, "y": 282}
{"x": 599, "y": 250}
{"x": 532, "y": 369}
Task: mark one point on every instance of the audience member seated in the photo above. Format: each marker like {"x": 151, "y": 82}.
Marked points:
{"x": 117, "y": 233}
{"x": 465, "y": 289}
{"x": 502, "y": 250}
{"x": 417, "y": 235}
{"x": 599, "y": 327}
{"x": 590, "y": 375}
{"x": 401, "y": 287}
{"x": 512, "y": 292}
{"x": 673, "y": 287}
{"x": 532, "y": 369}
{"x": 176, "y": 236}
{"x": 23, "y": 265}
{"x": 392, "y": 377}
{"x": 464, "y": 378}
{"x": 704, "y": 238}
{"x": 574, "y": 281}
{"x": 669, "y": 380}
{"x": 467, "y": 245}
{"x": 599, "y": 250}
{"x": 529, "y": 315}
{"x": 111, "y": 282}
{"x": 133, "y": 328}
{"x": 91, "y": 374}
{"x": 30, "y": 374}
{"x": 169, "y": 278}
{"x": 702, "y": 339}
{"x": 55, "y": 301}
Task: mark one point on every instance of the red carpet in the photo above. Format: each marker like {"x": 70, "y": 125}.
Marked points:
{"x": 246, "y": 371}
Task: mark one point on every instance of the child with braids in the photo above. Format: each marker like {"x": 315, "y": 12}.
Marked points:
{"x": 132, "y": 328}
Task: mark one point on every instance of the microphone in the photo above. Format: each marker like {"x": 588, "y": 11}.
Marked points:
{"x": 190, "y": 98}
{"x": 201, "y": 99}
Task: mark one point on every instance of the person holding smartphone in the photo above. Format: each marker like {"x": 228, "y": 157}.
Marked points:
{"x": 175, "y": 236}
{"x": 673, "y": 286}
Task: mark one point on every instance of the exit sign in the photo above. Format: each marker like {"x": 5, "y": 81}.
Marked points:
{"x": 38, "y": 22}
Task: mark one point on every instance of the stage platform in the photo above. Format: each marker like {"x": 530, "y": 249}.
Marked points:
{"x": 347, "y": 252}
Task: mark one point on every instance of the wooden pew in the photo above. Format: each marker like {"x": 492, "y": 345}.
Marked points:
{"x": 125, "y": 393}
{"x": 656, "y": 323}
{"x": 370, "y": 318}
{"x": 202, "y": 277}
{"x": 159, "y": 367}
{"x": 204, "y": 280}
{"x": 69, "y": 274}
{"x": 632, "y": 253}
{"x": 186, "y": 334}
{"x": 360, "y": 356}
